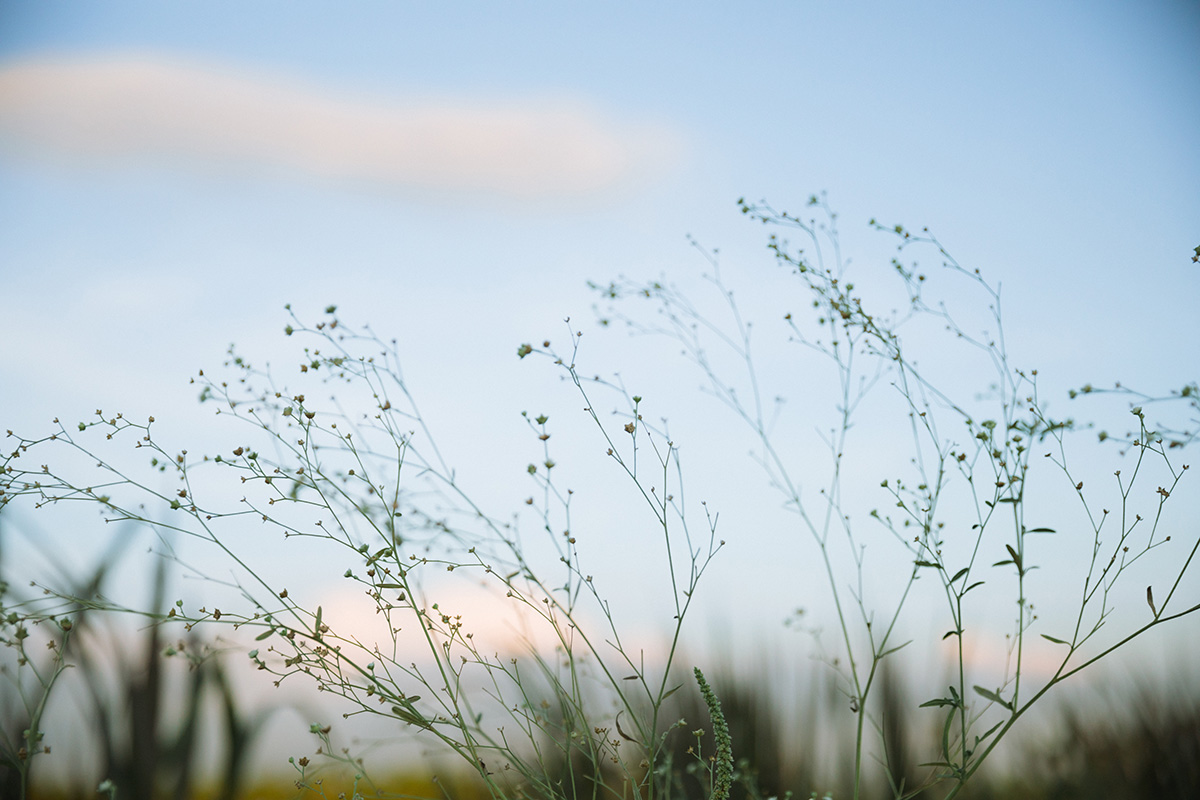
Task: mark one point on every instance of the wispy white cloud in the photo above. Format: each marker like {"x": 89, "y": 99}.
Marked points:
{"x": 138, "y": 106}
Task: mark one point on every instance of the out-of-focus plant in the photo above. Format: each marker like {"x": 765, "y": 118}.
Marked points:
{"x": 150, "y": 733}
{"x": 36, "y": 636}
{"x": 145, "y": 735}
{"x": 1136, "y": 742}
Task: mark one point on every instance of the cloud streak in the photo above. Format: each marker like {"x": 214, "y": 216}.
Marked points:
{"x": 134, "y": 107}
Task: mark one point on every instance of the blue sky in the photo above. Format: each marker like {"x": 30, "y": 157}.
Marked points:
{"x": 172, "y": 174}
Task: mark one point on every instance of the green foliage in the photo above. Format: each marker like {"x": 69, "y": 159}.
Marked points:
{"x": 722, "y": 769}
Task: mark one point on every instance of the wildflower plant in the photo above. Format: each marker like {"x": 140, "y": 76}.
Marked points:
{"x": 968, "y": 467}
{"x": 362, "y": 480}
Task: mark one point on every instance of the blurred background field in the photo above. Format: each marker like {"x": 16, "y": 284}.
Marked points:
{"x": 169, "y": 717}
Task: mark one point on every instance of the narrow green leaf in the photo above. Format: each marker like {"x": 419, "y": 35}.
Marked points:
{"x": 994, "y": 697}
{"x": 672, "y": 691}
{"x": 946, "y": 735}
{"x": 983, "y": 736}
{"x": 1002, "y": 563}
{"x": 412, "y": 718}
{"x": 1053, "y": 639}
{"x": 1041, "y": 530}
{"x": 926, "y": 564}
{"x": 941, "y": 701}
{"x": 263, "y": 635}
{"x": 1016, "y": 558}
{"x": 972, "y": 586}
{"x": 378, "y": 554}
{"x": 894, "y": 649}
{"x": 317, "y": 624}
{"x": 960, "y": 573}
{"x": 951, "y": 633}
